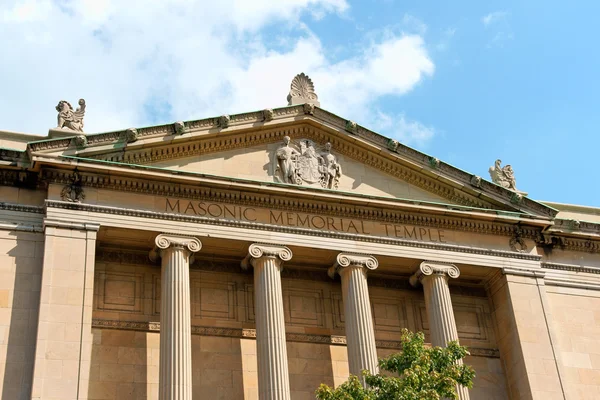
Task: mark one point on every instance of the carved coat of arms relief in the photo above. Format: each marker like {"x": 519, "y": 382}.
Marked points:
{"x": 304, "y": 162}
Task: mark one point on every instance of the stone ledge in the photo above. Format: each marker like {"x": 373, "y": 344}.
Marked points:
{"x": 251, "y": 334}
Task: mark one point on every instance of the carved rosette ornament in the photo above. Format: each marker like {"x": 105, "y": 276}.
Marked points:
{"x": 267, "y": 114}
{"x": 179, "y": 127}
{"x": 308, "y": 108}
{"x": 305, "y": 162}
{"x": 302, "y": 90}
{"x": 517, "y": 239}
{"x": 434, "y": 162}
{"x": 73, "y": 191}
{"x": 69, "y": 119}
{"x": 476, "y": 181}
{"x": 223, "y": 121}
{"x": 393, "y": 145}
{"x": 130, "y": 135}
{"x": 79, "y": 141}
{"x": 351, "y": 126}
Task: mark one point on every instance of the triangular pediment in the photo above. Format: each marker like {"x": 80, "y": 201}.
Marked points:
{"x": 248, "y": 147}
{"x": 306, "y": 167}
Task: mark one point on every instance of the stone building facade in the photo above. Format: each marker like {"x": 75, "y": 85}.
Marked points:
{"x": 258, "y": 255}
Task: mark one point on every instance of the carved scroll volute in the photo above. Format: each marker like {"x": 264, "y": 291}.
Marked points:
{"x": 345, "y": 260}
{"x": 429, "y": 268}
{"x": 259, "y": 250}
{"x": 165, "y": 241}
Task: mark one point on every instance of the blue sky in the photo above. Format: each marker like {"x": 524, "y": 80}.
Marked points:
{"x": 465, "y": 81}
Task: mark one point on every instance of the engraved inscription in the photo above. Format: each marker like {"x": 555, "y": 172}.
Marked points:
{"x": 303, "y": 220}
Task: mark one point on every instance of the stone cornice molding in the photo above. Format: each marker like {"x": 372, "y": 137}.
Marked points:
{"x": 570, "y": 267}
{"x": 48, "y": 223}
{"x": 345, "y": 260}
{"x": 165, "y": 241}
{"x": 531, "y": 273}
{"x": 292, "y": 230}
{"x": 22, "y": 208}
{"x": 311, "y": 205}
{"x": 179, "y": 146}
{"x": 429, "y": 268}
{"x": 259, "y": 250}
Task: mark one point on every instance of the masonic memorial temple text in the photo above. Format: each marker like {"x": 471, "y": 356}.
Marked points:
{"x": 302, "y": 220}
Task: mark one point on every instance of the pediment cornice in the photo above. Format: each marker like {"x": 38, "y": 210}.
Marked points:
{"x": 385, "y": 210}
{"x": 208, "y": 135}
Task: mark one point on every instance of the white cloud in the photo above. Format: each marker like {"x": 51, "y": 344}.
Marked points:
{"x": 186, "y": 59}
{"x": 493, "y": 17}
{"x": 407, "y": 131}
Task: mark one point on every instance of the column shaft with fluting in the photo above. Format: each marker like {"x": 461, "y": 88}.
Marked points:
{"x": 442, "y": 325}
{"x": 360, "y": 334}
{"x": 175, "y": 365}
{"x": 271, "y": 351}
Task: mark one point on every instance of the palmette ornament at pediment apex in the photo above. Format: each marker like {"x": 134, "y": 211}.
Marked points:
{"x": 67, "y": 118}
{"x": 302, "y": 90}
{"x": 304, "y": 162}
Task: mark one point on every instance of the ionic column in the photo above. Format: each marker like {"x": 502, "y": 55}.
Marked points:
{"x": 271, "y": 352}
{"x": 360, "y": 335}
{"x": 442, "y": 326}
{"x": 175, "y": 368}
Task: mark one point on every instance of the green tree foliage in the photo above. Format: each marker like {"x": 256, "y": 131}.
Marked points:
{"x": 421, "y": 373}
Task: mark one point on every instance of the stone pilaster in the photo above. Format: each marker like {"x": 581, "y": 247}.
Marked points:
{"x": 271, "y": 352}
{"x": 442, "y": 326}
{"x": 64, "y": 336}
{"x": 175, "y": 368}
{"x": 360, "y": 335}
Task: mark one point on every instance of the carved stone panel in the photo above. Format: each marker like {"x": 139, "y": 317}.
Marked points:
{"x": 119, "y": 291}
{"x": 303, "y": 307}
{"x": 305, "y": 162}
{"x": 214, "y": 300}
{"x": 472, "y": 321}
{"x": 389, "y": 314}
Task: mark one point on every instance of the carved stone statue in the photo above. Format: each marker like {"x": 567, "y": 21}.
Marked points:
{"x": 69, "y": 119}
{"x": 503, "y": 176}
{"x": 287, "y": 158}
{"x": 302, "y": 91}
{"x": 331, "y": 170}
{"x": 304, "y": 162}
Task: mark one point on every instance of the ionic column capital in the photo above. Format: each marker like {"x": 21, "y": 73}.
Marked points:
{"x": 257, "y": 251}
{"x": 165, "y": 241}
{"x": 429, "y": 268}
{"x": 345, "y": 260}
